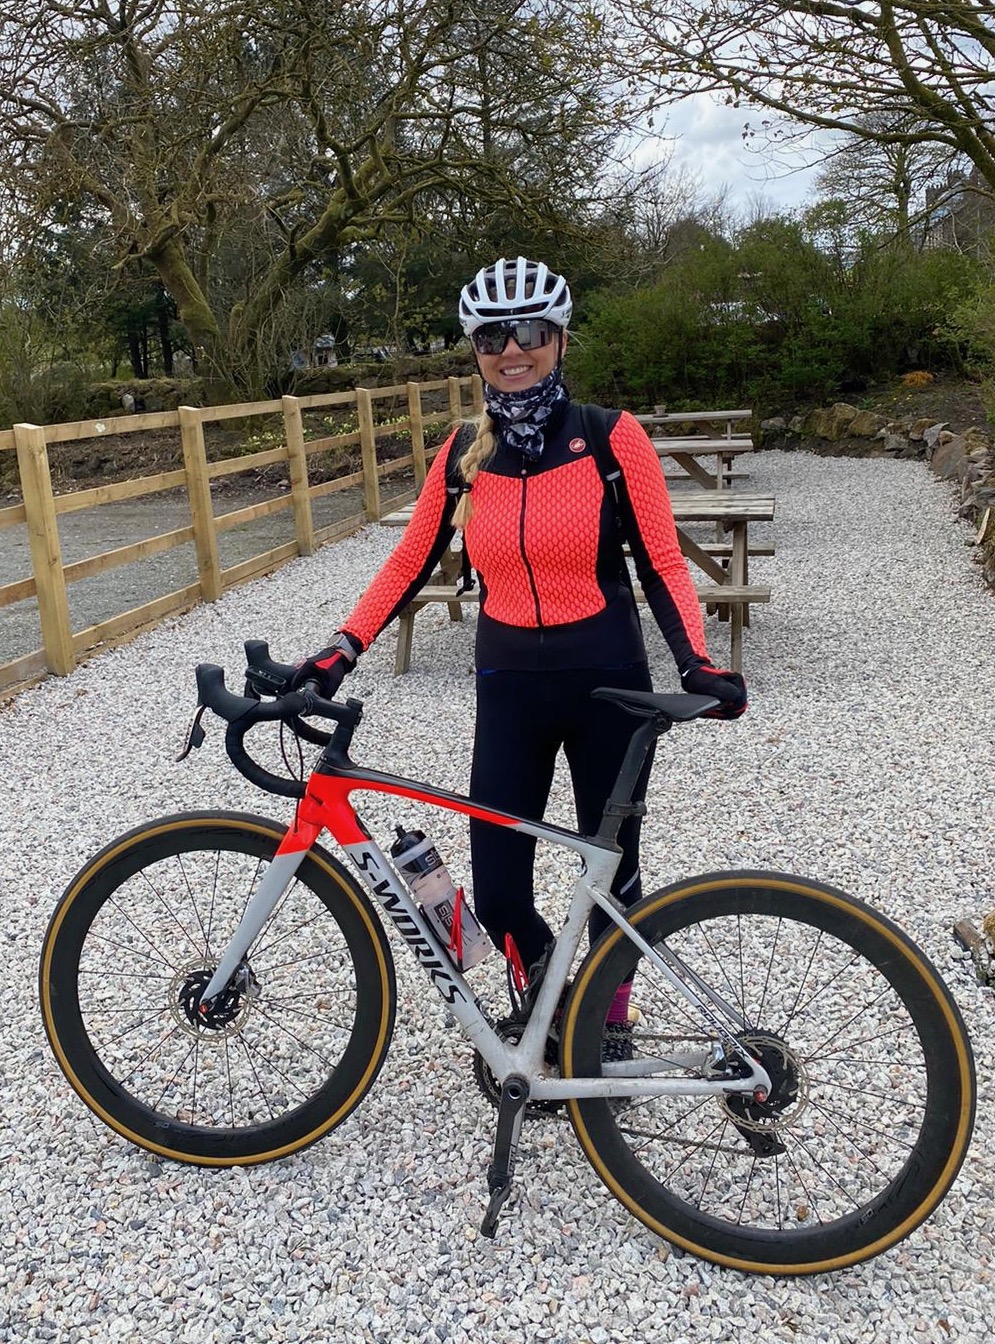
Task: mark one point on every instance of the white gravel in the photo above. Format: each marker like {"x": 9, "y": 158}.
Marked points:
{"x": 865, "y": 760}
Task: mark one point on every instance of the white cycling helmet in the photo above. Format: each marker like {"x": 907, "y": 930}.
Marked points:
{"x": 511, "y": 289}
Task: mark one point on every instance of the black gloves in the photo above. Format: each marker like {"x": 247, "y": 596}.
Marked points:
{"x": 701, "y": 678}
{"x": 328, "y": 666}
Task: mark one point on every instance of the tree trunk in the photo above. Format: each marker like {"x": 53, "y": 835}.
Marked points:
{"x": 194, "y": 312}
{"x": 134, "y": 352}
{"x": 249, "y": 361}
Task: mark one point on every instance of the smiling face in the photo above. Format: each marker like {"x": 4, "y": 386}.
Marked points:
{"x": 515, "y": 369}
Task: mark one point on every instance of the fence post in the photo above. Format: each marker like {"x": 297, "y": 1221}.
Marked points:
{"x": 46, "y": 553}
{"x": 201, "y": 509}
{"x": 417, "y": 433}
{"x": 297, "y": 464}
{"x": 368, "y": 448}
{"x": 477, "y": 393}
{"x": 455, "y": 400}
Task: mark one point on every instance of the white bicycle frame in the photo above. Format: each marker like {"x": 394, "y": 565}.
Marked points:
{"x": 640, "y": 1077}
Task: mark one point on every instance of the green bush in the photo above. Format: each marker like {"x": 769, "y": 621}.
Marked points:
{"x": 971, "y": 327}
{"x": 770, "y": 323}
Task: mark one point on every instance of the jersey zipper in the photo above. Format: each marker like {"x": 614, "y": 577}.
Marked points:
{"x": 521, "y": 542}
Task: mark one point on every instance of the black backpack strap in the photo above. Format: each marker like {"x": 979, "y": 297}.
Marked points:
{"x": 456, "y": 487}
{"x": 455, "y": 484}
{"x": 597, "y": 432}
{"x": 598, "y": 424}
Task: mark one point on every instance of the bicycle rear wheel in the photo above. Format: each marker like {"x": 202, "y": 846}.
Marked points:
{"x": 290, "y": 1051}
{"x": 873, "y": 1099}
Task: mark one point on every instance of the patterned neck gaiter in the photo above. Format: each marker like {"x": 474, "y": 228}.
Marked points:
{"x": 520, "y": 416}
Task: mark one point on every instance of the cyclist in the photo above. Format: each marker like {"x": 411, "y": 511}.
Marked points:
{"x": 557, "y": 616}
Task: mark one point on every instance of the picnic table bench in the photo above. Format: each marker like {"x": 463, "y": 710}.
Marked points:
{"x": 725, "y": 589}
{"x": 686, "y": 452}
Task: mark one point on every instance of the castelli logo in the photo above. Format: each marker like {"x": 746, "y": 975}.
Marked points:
{"x": 577, "y": 445}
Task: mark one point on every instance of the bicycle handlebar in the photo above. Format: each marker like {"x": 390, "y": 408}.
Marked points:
{"x": 242, "y": 712}
{"x": 265, "y": 676}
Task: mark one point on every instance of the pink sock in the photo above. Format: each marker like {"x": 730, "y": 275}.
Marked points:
{"x": 619, "y": 1010}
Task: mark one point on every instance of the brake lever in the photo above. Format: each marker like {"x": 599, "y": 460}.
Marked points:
{"x": 195, "y": 734}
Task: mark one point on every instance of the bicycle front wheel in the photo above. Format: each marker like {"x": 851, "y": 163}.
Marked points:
{"x": 873, "y": 1092}
{"x": 296, "y": 1042}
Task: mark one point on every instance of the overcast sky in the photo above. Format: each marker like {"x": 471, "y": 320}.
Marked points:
{"x": 708, "y": 142}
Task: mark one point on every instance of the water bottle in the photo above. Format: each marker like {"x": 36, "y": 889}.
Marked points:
{"x": 440, "y": 901}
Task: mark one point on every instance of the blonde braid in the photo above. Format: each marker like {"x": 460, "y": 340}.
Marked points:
{"x": 476, "y": 456}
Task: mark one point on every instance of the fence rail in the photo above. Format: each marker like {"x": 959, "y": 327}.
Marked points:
{"x": 50, "y": 579}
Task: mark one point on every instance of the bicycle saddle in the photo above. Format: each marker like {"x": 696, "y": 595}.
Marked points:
{"x": 679, "y": 707}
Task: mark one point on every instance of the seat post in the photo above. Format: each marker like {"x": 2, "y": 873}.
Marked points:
{"x": 620, "y": 805}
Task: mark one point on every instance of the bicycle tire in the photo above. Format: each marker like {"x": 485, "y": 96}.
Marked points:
{"x": 853, "y": 1014}
{"x": 141, "y": 927}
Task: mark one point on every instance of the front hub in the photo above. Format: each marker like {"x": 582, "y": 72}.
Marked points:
{"x": 226, "y": 1012}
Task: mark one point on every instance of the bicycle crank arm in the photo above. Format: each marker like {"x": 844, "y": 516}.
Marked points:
{"x": 511, "y": 1111}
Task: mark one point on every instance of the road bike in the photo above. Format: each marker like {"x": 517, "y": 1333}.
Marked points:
{"x": 219, "y": 989}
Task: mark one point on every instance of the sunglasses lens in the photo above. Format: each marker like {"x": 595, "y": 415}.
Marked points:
{"x": 529, "y": 334}
{"x": 490, "y": 340}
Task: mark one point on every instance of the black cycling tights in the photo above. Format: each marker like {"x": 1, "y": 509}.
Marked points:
{"x": 523, "y": 718}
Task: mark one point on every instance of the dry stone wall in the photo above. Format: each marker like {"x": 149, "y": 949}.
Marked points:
{"x": 966, "y": 460}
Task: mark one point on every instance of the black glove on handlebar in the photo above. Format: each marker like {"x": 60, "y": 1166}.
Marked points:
{"x": 729, "y": 687}
{"x": 327, "y": 667}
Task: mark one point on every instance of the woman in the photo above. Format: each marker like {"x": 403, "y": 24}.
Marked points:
{"x": 557, "y": 615}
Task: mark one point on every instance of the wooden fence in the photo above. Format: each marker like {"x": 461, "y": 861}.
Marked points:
{"x": 50, "y": 580}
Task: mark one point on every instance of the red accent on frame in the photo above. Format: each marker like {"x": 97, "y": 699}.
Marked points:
{"x": 456, "y": 937}
{"x": 514, "y": 959}
{"x": 303, "y": 832}
{"x": 328, "y": 799}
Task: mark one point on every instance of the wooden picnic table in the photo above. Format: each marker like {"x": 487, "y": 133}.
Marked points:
{"x": 686, "y": 452}
{"x": 724, "y": 565}
{"x": 727, "y": 420}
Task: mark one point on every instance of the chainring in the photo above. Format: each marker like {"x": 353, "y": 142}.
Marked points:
{"x": 511, "y": 1029}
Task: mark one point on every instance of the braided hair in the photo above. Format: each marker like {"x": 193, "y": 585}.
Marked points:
{"x": 479, "y": 453}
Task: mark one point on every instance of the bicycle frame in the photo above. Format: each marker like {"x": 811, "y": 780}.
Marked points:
{"x": 326, "y": 805}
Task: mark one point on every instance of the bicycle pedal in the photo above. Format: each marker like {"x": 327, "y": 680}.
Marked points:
{"x": 488, "y": 1227}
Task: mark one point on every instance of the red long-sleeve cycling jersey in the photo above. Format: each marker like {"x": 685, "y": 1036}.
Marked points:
{"x": 546, "y": 542}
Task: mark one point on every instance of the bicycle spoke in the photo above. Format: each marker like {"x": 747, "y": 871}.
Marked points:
{"x": 193, "y": 903}
{"x": 263, "y": 948}
{"x": 156, "y": 950}
{"x": 789, "y": 1018}
{"x": 902, "y": 1028}
{"x": 831, "y": 1085}
{"x": 168, "y": 909}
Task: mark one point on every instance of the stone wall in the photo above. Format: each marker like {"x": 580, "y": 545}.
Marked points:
{"x": 966, "y": 460}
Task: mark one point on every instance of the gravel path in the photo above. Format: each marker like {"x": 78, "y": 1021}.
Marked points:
{"x": 864, "y": 761}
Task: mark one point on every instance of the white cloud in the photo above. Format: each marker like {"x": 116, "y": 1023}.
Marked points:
{"x": 706, "y": 139}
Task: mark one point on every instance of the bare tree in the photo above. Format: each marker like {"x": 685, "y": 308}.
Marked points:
{"x": 887, "y": 187}
{"x": 899, "y": 72}
{"x": 311, "y": 128}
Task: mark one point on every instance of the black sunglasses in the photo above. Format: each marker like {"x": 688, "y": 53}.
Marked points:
{"x": 529, "y": 332}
